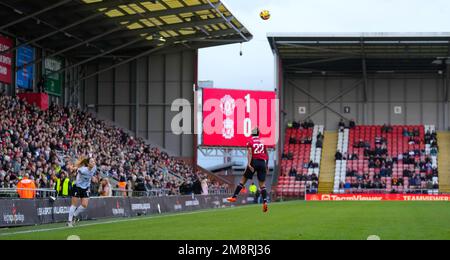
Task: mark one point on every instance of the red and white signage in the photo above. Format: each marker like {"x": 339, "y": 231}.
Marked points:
{"x": 6, "y": 60}
{"x": 376, "y": 197}
{"x": 229, "y": 116}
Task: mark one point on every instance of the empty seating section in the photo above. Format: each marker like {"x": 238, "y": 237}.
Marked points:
{"x": 300, "y": 166}
{"x": 395, "y": 159}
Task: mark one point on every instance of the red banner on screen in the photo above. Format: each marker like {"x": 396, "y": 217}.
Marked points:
{"x": 5, "y": 60}
{"x": 230, "y": 115}
{"x": 376, "y": 197}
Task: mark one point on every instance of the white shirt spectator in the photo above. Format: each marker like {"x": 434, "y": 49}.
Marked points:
{"x": 205, "y": 187}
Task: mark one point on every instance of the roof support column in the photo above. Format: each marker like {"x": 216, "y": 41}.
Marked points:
{"x": 364, "y": 69}
{"x": 446, "y": 84}
{"x": 446, "y": 81}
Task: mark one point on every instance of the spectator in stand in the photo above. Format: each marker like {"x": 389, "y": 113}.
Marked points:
{"x": 43, "y": 143}
{"x": 434, "y": 143}
{"x": 308, "y": 124}
{"x": 139, "y": 186}
{"x": 320, "y": 136}
{"x": 105, "y": 189}
{"x": 416, "y": 132}
{"x": 352, "y": 124}
{"x": 205, "y": 190}
{"x": 345, "y": 156}
{"x": 389, "y": 163}
{"x": 347, "y": 185}
{"x": 26, "y": 188}
{"x": 293, "y": 172}
{"x": 386, "y": 129}
{"x": 197, "y": 186}
{"x": 63, "y": 185}
{"x": 312, "y": 165}
{"x": 319, "y": 143}
{"x": 433, "y": 151}
{"x": 338, "y": 156}
{"x": 292, "y": 140}
{"x": 406, "y": 132}
{"x": 341, "y": 125}
{"x": 306, "y": 140}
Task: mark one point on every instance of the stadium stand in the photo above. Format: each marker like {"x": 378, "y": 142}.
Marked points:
{"x": 392, "y": 159}
{"x": 302, "y": 156}
{"x": 44, "y": 144}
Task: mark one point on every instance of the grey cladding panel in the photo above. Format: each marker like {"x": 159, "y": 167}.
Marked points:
{"x": 155, "y": 82}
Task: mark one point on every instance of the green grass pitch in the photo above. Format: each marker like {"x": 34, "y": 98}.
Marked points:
{"x": 285, "y": 221}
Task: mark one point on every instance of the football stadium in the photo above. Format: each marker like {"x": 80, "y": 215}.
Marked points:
{"x": 115, "y": 126}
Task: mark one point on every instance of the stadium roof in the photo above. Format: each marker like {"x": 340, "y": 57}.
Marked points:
{"x": 115, "y": 28}
{"x": 350, "y": 53}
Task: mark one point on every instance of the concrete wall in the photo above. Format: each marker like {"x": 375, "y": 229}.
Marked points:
{"x": 421, "y": 100}
{"x": 138, "y": 96}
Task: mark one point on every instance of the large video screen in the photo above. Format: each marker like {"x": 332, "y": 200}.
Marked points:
{"x": 229, "y": 116}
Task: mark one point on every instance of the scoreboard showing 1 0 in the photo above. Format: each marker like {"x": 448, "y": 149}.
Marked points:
{"x": 247, "y": 121}
{"x": 229, "y": 116}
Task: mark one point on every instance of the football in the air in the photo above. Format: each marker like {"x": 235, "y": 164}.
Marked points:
{"x": 265, "y": 15}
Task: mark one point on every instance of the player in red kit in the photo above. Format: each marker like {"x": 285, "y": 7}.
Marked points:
{"x": 257, "y": 163}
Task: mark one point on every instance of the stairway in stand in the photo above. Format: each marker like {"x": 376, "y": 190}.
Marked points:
{"x": 327, "y": 168}
{"x": 444, "y": 162}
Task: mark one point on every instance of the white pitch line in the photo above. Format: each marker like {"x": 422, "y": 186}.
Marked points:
{"x": 116, "y": 221}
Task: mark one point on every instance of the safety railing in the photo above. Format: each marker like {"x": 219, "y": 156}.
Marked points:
{"x": 388, "y": 191}
{"x": 219, "y": 192}
{"x": 161, "y": 193}
{"x": 10, "y": 193}
{"x": 132, "y": 193}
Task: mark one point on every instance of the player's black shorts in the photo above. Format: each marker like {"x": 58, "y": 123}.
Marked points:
{"x": 260, "y": 167}
{"x": 78, "y": 192}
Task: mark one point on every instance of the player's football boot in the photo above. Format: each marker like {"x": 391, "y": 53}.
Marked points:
{"x": 265, "y": 207}
{"x": 232, "y": 199}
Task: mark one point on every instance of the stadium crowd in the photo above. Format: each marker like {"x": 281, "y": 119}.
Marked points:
{"x": 44, "y": 145}
{"x": 418, "y": 171}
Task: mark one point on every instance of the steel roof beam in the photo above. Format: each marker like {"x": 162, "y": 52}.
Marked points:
{"x": 319, "y": 61}
{"x": 26, "y": 17}
{"x": 228, "y": 20}
{"x": 155, "y": 14}
{"x": 62, "y": 30}
{"x": 105, "y": 4}
{"x": 318, "y": 48}
{"x": 196, "y": 37}
{"x": 72, "y": 47}
{"x": 97, "y": 56}
{"x": 143, "y": 54}
{"x": 177, "y": 26}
